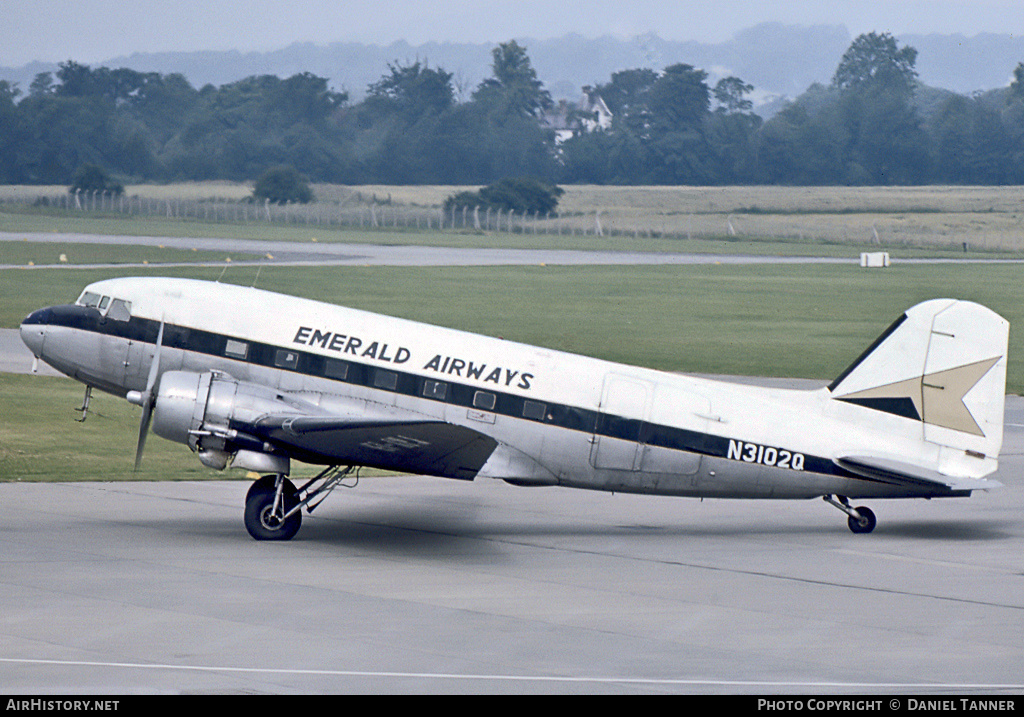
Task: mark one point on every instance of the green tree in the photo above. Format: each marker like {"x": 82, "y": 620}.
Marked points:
{"x": 164, "y": 104}
{"x": 887, "y": 143}
{"x": 402, "y": 125}
{"x": 412, "y": 91}
{"x": 875, "y": 59}
{"x": 679, "y": 100}
{"x": 11, "y": 134}
{"x": 281, "y": 185}
{"x": 92, "y": 178}
{"x": 514, "y": 89}
{"x": 1012, "y": 118}
{"x": 42, "y": 84}
{"x": 731, "y": 96}
{"x": 805, "y": 143}
{"x": 241, "y": 129}
{"x": 626, "y": 96}
{"x": 76, "y": 80}
{"x": 1017, "y": 86}
{"x": 523, "y": 194}
{"x": 627, "y": 90}
{"x": 679, "y": 104}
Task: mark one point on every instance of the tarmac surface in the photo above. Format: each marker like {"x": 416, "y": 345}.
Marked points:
{"x": 420, "y": 585}
{"x": 295, "y": 253}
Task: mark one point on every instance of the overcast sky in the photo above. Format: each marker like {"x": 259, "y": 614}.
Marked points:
{"x": 90, "y": 31}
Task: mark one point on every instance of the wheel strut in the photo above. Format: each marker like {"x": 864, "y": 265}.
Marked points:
{"x": 273, "y": 505}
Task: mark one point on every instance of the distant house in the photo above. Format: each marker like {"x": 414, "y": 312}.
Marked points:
{"x": 568, "y": 119}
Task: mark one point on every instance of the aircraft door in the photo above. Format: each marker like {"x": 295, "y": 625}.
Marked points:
{"x": 113, "y": 355}
{"x": 675, "y": 439}
{"x": 625, "y": 404}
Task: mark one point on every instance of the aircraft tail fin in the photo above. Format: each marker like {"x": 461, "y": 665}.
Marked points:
{"x": 942, "y": 365}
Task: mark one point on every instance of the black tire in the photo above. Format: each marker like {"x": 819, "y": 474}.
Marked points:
{"x": 259, "y": 504}
{"x": 866, "y": 523}
{"x": 263, "y": 485}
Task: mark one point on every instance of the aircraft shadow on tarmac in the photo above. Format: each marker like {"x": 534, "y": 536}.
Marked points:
{"x": 947, "y": 530}
{"x": 399, "y": 532}
{"x": 425, "y": 533}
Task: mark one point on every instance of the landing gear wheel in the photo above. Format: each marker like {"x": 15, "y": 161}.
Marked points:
{"x": 866, "y": 523}
{"x": 262, "y": 522}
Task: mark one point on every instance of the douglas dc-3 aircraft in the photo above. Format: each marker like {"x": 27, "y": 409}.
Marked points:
{"x": 253, "y": 379}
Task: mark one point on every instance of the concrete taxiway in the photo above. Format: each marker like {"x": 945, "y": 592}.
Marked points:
{"x": 295, "y": 253}
{"x": 410, "y": 584}
{"x": 407, "y": 584}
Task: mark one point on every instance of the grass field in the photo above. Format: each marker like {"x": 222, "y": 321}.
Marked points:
{"x": 26, "y": 253}
{"x": 40, "y": 439}
{"x": 986, "y": 219}
{"x": 778, "y": 320}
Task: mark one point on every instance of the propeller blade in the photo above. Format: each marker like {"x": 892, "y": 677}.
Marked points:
{"x": 148, "y": 398}
{"x": 154, "y": 368}
{"x": 147, "y": 414}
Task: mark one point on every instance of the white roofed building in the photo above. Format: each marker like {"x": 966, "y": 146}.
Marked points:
{"x": 568, "y": 119}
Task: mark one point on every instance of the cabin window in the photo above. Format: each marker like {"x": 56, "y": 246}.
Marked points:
{"x": 335, "y": 369}
{"x": 437, "y": 390}
{"x": 103, "y": 302}
{"x": 119, "y": 310}
{"x": 534, "y": 411}
{"x": 386, "y": 379}
{"x": 484, "y": 400}
{"x": 236, "y": 349}
{"x": 286, "y": 359}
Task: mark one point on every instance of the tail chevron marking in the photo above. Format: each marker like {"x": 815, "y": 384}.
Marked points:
{"x": 935, "y": 398}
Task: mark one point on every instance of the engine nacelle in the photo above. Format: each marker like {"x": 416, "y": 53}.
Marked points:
{"x": 198, "y": 409}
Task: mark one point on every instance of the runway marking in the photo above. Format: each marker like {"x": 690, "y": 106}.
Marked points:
{"x": 521, "y": 678}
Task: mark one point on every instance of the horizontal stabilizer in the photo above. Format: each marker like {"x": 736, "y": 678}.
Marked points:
{"x": 895, "y": 472}
{"x": 426, "y": 447}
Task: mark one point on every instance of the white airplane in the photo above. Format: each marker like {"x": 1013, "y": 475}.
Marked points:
{"x": 253, "y": 379}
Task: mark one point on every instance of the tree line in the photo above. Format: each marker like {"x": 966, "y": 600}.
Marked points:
{"x": 874, "y": 123}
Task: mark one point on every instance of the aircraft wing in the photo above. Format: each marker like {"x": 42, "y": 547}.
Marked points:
{"x": 426, "y": 447}
{"x": 896, "y": 472}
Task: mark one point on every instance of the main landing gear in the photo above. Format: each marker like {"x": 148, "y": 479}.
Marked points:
{"x": 273, "y": 505}
{"x": 861, "y": 520}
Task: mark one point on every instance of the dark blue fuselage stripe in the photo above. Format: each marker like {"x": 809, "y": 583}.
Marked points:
{"x": 361, "y": 374}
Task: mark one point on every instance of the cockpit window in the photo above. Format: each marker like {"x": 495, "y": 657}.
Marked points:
{"x": 120, "y": 310}
{"x": 116, "y": 309}
{"x": 89, "y": 299}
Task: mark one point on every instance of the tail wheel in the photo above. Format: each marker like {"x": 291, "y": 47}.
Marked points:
{"x": 866, "y": 522}
{"x": 261, "y": 519}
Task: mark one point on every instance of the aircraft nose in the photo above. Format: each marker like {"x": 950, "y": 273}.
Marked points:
{"x": 33, "y": 330}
